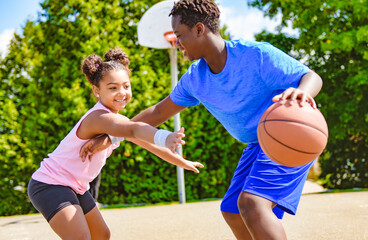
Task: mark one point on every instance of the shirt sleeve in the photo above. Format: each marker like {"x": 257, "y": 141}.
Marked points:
{"x": 111, "y": 148}
{"x": 279, "y": 70}
{"x": 181, "y": 95}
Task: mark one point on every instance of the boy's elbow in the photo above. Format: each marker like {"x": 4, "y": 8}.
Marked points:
{"x": 319, "y": 80}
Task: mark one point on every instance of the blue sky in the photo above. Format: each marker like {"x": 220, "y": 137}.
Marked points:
{"x": 242, "y": 21}
{"x": 13, "y": 13}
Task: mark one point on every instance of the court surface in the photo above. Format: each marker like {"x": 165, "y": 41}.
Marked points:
{"x": 320, "y": 216}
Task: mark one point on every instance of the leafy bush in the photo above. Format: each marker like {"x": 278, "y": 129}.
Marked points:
{"x": 43, "y": 95}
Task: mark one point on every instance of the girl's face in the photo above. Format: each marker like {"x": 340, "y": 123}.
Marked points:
{"x": 114, "y": 91}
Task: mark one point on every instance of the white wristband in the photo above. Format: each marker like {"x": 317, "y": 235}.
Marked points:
{"x": 160, "y": 137}
{"x": 115, "y": 139}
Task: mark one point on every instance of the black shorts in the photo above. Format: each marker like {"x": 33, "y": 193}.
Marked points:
{"x": 49, "y": 199}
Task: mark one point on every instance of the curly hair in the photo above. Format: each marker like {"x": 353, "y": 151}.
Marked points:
{"x": 94, "y": 68}
{"x": 194, "y": 11}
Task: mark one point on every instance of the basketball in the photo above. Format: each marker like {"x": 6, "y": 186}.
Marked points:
{"x": 292, "y": 135}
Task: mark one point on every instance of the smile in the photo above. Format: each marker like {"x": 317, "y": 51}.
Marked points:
{"x": 121, "y": 101}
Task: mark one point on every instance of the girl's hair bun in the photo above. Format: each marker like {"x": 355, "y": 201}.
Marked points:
{"x": 118, "y": 55}
{"x": 94, "y": 68}
{"x": 90, "y": 66}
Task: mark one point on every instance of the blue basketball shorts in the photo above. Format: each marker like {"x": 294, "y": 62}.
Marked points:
{"x": 256, "y": 173}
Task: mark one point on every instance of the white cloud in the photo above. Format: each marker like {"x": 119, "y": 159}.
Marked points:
{"x": 5, "y": 38}
{"x": 246, "y": 25}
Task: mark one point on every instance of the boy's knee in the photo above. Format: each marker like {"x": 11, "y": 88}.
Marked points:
{"x": 251, "y": 206}
{"x": 247, "y": 206}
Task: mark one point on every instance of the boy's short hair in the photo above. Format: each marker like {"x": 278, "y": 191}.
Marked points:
{"x": 194, "y": 11}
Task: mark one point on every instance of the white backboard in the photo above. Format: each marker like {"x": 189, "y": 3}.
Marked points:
{"x": 154, "y": 23}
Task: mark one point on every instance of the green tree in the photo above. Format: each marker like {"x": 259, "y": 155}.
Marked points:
{"x": 333, "y": 38}
{"x": 279, "y": 40}
{"x": 44, "y": 93}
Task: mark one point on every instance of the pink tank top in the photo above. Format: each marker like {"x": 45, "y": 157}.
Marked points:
{"x": 64, "y": 166}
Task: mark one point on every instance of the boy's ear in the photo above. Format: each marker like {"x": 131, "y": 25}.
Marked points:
{"x": 200, "y": 28}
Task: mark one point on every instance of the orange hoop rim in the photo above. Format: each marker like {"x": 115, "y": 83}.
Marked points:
{"x": 170, "y": 37}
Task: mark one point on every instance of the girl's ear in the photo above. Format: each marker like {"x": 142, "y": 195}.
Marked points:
{"x": 96, "y": 91}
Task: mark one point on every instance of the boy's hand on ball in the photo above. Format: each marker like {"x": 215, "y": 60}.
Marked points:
{"x": 293, "y": 94}
{"x": 174, "y": 140}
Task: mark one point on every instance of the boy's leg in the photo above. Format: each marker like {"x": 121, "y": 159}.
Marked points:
{"x": 237, "y": 226}
{"x": 256, "y": 221}
{"x": 70, "y": 223}
{"x": 97, "y": 225}
{"x": 257, "y": 214}
{"x": 229, "y": 207}
{"x": 261, "y": 191}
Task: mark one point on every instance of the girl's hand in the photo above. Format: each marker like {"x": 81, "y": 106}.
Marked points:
{"x": 189, "y": 165}
{"x": 174, "y": 140}
{"x": 293, "y": 94}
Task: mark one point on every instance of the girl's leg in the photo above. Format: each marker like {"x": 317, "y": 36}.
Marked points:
{"x": 259, "y": 218}
{"x": 97, "y": 225}
{"x": 70, "y": 223}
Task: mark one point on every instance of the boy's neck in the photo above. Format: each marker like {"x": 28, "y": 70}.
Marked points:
{"x": 216, "y": 53}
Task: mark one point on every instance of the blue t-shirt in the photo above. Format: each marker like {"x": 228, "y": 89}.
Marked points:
{"x": 238, "y": 96}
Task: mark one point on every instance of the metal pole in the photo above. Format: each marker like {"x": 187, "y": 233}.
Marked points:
{"x": 174, "y": 81}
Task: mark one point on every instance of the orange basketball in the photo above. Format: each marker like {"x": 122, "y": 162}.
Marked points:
{"x": 292, "y": 135}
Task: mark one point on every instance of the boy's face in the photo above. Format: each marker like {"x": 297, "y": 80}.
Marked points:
{"x": 188, "y": 39}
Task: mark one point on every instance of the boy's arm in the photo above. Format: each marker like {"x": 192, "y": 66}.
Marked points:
{"x": 159, "y": 113}
{"x": 94, "y": 145}
{"x": 309, "y": 87}
{"x": 311, "y": 83}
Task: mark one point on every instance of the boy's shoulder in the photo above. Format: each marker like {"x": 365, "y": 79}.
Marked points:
{"x": 237, "y": 45}
{"x": 240, "y": 44}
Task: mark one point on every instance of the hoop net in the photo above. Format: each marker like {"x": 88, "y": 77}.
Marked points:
{"x": 171, "y": 38}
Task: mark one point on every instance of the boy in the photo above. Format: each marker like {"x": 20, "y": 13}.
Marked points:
{"x": 237, "y": 81}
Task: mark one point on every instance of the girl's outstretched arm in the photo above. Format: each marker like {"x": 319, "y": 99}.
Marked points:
{"x": 168, "y": 155}
{"x": 154, "y": 116}
{"x": 102, "y": 122}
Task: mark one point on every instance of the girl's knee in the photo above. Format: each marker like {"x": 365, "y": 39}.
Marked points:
{"x": 82, "y": 235}
{"x": 104, "y": 234}
{"x": 107, "y": 234}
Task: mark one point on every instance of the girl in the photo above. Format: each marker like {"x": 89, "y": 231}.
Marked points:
{"x": 58, "y": 189}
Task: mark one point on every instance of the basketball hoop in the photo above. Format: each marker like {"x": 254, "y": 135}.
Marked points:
{"x": 154, "y": 25}
{"x": 155, "y": 31}
{"x": 171, "y": 38}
